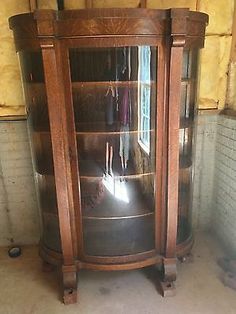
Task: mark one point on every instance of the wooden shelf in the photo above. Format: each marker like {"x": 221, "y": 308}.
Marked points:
{"x": 95, "y": 170}
{"x": 110, "y": 198}
{"x": 93, "y": 129}
{"x": 120, "y": 177}
{"x": 107, "y": 206}
{"x": 109, "y": 83}
{"x": 44, "y": 168}
{"x": 112, "y": 132}
{"x": 118, "y": 217}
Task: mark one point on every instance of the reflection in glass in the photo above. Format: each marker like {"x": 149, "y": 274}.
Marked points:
{"x": 144, "y": 100}
{"x": 185, "y": 111}
{"x": 186, "y": 65}
{"x": 114, "y": 98}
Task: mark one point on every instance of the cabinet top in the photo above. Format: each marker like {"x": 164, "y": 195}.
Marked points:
{"x": 109, "y": 22}
{"x": 115, "y": 12}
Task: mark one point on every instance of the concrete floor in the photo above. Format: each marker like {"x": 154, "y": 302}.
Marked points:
{"x": 24, "y": 289}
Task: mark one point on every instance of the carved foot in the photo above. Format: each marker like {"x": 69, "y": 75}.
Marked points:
{"x": 70, "y": 296}
{"x": 47, "y": 268}
{"x": 167, "y": 286}
{"x": 169, "y": 269}
{"x": 69, "y": 284}
{"x": 167, "y": 289}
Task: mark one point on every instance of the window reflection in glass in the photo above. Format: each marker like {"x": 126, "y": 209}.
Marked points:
{"x": 144, "y": 96}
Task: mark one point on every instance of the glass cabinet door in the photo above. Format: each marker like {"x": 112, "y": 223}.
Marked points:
{"x": 114, "y": 100}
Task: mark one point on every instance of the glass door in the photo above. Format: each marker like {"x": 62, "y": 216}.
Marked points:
{"x": 114, "y": 100}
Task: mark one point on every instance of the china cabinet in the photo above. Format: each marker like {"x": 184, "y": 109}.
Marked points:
{"x": 110, "y": 97}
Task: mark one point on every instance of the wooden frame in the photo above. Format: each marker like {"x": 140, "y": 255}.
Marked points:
{"x": 171, "y": 31}
{"x": 33, "y": 5}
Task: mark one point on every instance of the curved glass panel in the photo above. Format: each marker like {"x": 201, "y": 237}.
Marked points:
{"x": 114, "y": 98}
{"x": 38, "y": 123}
{"x": 187, "y": 110}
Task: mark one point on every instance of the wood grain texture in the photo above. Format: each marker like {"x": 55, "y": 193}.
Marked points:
{"x": 33, "y": 5}
{"x": 74, "y": 23}
{"x": 173, "y": 148}
{"x": 60, "y": 153}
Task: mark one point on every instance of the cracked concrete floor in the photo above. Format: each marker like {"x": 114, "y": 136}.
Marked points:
{"x": 26, "y": 290}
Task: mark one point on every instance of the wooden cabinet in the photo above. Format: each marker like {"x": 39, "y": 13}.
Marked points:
{"x": 111, "y": 96}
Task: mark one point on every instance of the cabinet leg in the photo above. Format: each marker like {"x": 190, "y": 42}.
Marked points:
{"x": 169, "y": 269}
{"x": 168, "y": 277}
{"x": 69, "y": 284}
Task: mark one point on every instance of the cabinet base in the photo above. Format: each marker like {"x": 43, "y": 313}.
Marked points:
{"x": 169, "y": 270}
{"x": 70, "y": 296}
{"x": 167, "y": 289}
{"x": 69, "y": 284}
{"x": 55, "y": 258}
{"x": 165, "y": 279}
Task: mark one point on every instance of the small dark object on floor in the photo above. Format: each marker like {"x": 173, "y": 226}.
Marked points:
{"x": 14, "y": 251}
{"x": 229, "y": 280}
{"x": 186, "y": 259}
